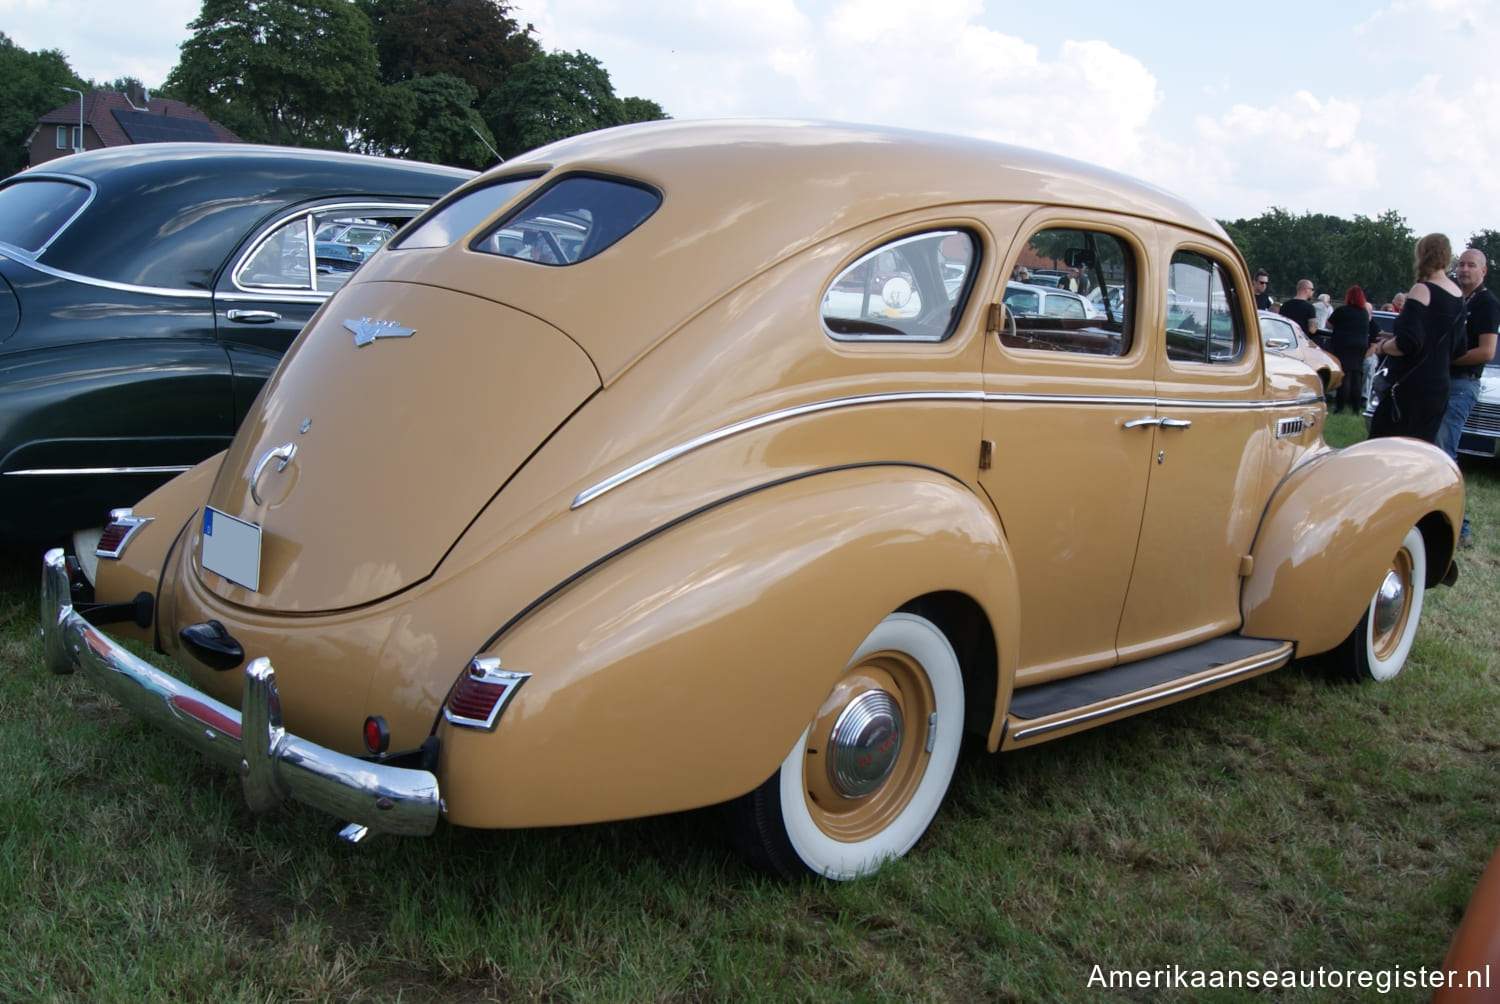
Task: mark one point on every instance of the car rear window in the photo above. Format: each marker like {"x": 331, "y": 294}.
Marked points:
{"x": 34, "y": 210}
{"x": 569, "y": 221}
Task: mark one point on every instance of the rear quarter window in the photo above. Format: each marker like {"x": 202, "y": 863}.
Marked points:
{"x": 33, "y": 211}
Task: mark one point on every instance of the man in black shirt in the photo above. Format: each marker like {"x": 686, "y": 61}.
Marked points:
{"x": 1262, "y": 290}
{"x": 1483, "y": 328}
{"x": 1300, "y": 308}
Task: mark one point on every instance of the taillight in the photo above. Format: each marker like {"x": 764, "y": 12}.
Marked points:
{"x": 481, "y": 694}
{"x": 123, "y": 525}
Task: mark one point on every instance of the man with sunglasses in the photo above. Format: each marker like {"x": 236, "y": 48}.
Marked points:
{"x": 1262, "y": 293}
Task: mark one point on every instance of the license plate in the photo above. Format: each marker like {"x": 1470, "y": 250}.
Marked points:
{"x": 231, "y": 548}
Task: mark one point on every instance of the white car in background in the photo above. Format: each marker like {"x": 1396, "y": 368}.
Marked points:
{"x": 1029, "y": 300}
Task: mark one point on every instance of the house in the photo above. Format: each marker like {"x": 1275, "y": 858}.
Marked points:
{"x": 111, "y": 118}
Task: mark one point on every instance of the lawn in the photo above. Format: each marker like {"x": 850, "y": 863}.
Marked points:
{"x": 1289, "y": 823}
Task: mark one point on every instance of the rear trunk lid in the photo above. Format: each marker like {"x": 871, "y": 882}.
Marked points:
{"x": 393, "y": 421}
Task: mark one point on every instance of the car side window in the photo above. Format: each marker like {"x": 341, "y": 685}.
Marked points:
{"x": 318, "y": 251}
{"x": 1072, "y": 291}
{"x": 1202, "y": 323}
{"x": 913, "y": 288}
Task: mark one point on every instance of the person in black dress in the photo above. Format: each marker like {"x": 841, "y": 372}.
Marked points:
{"x": 1353, "y": 330}
{"x": 1419, "y": 350}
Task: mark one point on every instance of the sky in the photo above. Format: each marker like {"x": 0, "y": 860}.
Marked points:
{"x": 1324, "y": 106}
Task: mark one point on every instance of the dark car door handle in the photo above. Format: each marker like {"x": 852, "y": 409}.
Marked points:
{"x": 254, "y": 316}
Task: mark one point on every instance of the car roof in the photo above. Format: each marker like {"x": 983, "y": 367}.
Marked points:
{"x": 213, "y": 193}
{"x": 740, "y": 196}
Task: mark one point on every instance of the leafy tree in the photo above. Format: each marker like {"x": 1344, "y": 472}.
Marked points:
{"x": 476, "y": 41}
{"x": 641, "y": 110}
{"x": 295, "y": 72}
{"x": 1376, "y": 254}
{"x": 554, "y": 96}
{"x": 431, "y": 119}
{"x": 30, "y": 86}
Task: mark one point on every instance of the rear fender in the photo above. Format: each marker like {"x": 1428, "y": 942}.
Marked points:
{"x": 679, "y": 673}
{"x": 139, "y": 567}
{"x": 1328, "y": 535}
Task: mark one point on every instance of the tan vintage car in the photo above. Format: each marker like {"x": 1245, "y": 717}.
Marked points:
{"x": 694, "y": 463}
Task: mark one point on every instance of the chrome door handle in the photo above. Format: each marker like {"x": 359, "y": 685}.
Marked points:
{"x": 253, "y": 316}
{"x": 1136, "y": 423}
{"x": 1176, "y": 423}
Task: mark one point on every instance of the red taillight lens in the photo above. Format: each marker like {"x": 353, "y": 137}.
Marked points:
{"x": 481, "y": 694}
{"x": 377, "y": 734}
{"x": 123, "y": 524}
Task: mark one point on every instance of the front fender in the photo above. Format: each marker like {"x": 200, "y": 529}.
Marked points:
{"x": 679, "y": 673}
{"x": 1330, "y": 530}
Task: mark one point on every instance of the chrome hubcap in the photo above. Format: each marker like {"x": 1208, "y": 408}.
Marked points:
{"x": 865, "y": 744}
{"x": 1390, "y": 603}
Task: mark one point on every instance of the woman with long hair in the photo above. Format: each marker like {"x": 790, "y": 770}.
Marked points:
{"x": 1417, "y": 353}
{"x": 1354, "y": 329}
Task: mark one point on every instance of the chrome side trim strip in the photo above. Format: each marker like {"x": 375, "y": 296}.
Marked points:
{"x": 119, "y": 287}
{"x": 34, "y": 472}
{"x": 672, "y": 453}
{"x": 1270, "y": 661}
{"x": 273, "y": 763}
{"x": 902, "y": 397}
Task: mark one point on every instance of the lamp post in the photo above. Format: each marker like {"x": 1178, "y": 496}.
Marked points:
{"x": 78, "y": 148}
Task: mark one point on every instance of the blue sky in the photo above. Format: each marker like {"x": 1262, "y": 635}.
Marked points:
{"x": 1337, "y": 107}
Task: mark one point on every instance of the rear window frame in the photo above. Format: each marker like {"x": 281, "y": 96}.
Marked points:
{"x": 34, "y": 180}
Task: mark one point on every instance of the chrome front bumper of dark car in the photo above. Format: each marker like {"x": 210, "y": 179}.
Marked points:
{"x": 274, "y": 764}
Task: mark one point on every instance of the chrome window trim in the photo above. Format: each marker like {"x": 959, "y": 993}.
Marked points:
{"x": 32, "y": 472}
{"x": 29, "y": 177}
{"x": 307, "y": 213}
{"x": 957, "y": 311}
{"x": 901, "y": 397}
{"x": 119, "y": 287}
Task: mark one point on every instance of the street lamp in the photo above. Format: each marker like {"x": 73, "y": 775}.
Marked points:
{"x": 78, "y": 148}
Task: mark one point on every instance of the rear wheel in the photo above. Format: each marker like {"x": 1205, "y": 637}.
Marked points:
{"x": 1378, "y": 647}
{"x": 867, "y": 775}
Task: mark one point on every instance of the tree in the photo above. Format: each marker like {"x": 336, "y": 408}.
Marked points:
{"x": 1376, "y": 254}
{"x": 431, "y": 119}
{"x": 475, "y": 41}
{"x": 30, "y": 86}
{"x": 554, "y": 96}
{"x": 641, "y": 110}
{"x": 295, "y": 72}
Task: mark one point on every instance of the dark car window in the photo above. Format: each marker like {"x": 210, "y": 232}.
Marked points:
{"x": 454, "y": 220}
{"x": 32, "y": 211}
{"x": 571, "y": 221}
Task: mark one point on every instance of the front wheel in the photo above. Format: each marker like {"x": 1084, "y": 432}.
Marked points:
{"x": 1378, "y": 647}
{"x": 865, "y": 779}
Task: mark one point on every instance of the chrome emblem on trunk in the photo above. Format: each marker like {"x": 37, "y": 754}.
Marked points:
{"x": 367, "y": 329}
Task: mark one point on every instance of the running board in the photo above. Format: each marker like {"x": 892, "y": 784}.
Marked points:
{"x": 1054, "y": 709}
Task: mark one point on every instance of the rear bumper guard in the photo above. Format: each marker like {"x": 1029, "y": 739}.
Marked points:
{"x": 273, "y": 764}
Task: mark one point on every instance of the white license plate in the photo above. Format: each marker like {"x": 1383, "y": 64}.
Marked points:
{"x": 231, "y": 548}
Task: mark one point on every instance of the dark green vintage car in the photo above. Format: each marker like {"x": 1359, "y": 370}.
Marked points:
{"x": 147, "y": 292}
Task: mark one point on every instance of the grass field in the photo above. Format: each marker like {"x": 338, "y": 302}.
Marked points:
{"x": 1287, "y": 823}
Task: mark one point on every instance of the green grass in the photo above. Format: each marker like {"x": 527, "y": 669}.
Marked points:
{"x": 1290, "y": 822}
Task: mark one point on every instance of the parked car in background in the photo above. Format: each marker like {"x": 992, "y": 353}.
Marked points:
{"x": 1043, "y": 301}
{"x": 659, "y": 525}
{"x": 341, "y": 247}
{"x": 146, "y": 292}
{"x": 1481, "y": 435}
{"x": 1281, "y": 335}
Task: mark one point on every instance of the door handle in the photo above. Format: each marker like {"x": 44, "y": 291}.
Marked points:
{"x": 254, "y": 316}
{"x": 1136, "y": 423}
{"x": 1176, "y": 423}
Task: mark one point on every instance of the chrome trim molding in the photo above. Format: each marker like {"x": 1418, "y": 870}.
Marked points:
{"x": 665, "y": 456}
{"x": 1279, "y": 657}
{"x": 119, "y": 287}
{"x": 901, "y": 397}
{"x": 33, "y": 472}
{"x": 273, "y": 763}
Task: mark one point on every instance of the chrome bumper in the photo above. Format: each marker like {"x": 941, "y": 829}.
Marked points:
{"x": 273, "y": 764}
